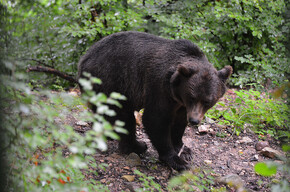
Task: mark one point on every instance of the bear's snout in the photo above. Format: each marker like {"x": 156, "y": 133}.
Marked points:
{"x": 195, "y": 114}
{"x": 193, "y": 121}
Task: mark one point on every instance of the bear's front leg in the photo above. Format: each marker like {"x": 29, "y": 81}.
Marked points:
{"x": 157, "y": 125}
{"x": 177, "y": 130}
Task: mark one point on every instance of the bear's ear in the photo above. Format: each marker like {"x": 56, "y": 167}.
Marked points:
{"x": 174, "y": 78}
{"x": 225, "y": 73}
{"x": 186, "y": 70}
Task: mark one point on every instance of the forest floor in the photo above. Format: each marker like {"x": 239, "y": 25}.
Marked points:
{"x": 217, "y": 152}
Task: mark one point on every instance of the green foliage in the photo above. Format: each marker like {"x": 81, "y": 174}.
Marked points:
{"x": 247, "y": 35}
{"x": 193, "y": 181}
{"x": 148, "y": 183}
{"x": 259, "y": 72}
{"x": 55, "y": 33}
{"x": 46, "y": 154}
{"x": 231, "y": 30}
{"x": 270, "y": 169}
{"x": 188, "y": 181}
{"x": 34, "y": 28}
{"x": 265, "y": 170}
{"x": 96, "y": 19}
{"x": 265, "y": 114}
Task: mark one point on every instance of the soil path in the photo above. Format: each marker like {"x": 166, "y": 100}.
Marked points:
{"x": 218, "y": 150}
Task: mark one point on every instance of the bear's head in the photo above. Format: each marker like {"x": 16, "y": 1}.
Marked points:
{"x": 198, "y": 86}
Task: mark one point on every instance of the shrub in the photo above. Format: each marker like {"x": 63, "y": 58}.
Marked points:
{"x": 45, "y": 154}
{"x": 265, "y": 114}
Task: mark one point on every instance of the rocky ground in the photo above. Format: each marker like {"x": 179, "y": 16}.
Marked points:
{"x": 216, "y": 149}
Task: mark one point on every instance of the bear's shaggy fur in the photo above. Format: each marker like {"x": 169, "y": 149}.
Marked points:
{"x": 171, "y": 79}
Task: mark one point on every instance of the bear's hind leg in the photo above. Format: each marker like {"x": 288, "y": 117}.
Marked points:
{"x": 128, "y": 142}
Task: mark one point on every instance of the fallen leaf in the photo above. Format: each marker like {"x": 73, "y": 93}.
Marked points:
{"x": 61, "y": 181}
{"x": 129, "y": 178}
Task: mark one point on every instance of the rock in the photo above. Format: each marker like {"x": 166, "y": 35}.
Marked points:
{"x": 203, "y": 128}
{"x": 133, "y": 160}
{"x": 248, "y": 128}
{"x": 242, "y": 173}
{"x": 212, "y": 132}
{"x": 245, "y": 140}
{"x": 233, "y": 180}
{"x": 114, "y": 157}
{"x": 261, "y": 145}
{"x": 103, "y": 180}
{"x": 127, "y": 168}
{"x": 81, "y": 123}
{"x": 209, "y": 120}
{"x": 269, "y": 152}
{"x": 129, "y": 178}
{"x": 255, "y": 158}
{"x": 275, "y": 181}
{"x": 132, "y": 186}
{"x": 73, "y": 93}
{"x": 208, "y": 162}
{"x": 216, "y": 143}
{"x": 221, "y": 126}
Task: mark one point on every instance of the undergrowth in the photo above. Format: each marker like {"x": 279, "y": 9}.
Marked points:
{"x": 262, "y": 113}
{"x": 45, "y": 154}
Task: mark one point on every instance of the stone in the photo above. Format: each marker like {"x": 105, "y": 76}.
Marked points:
{"x": 233, "y": 180}
{"x": 103, "y": 180}
{"x": 261, "y": 145}
{"x": 133, "y": 160}
{"x": 208, "y": 162}
{"x": 221, "y": 126}
{"x": 245, "y": 140}
{"x": 132, "y": 186}
{"x": 248, "y": 128}
{"x": 82, "y": 123}
{"x": 269, "y": 152}
{"x": 255, "y": 158}
{"x": 216, "y": 143}
{"x": 212, "y": 132}
{"x": 209, "y": 120}
{"x": 73, "y": 93}
{"x": 203, "y": 128}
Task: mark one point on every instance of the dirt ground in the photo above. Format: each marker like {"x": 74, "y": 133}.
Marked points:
{"x": 219, "y": 151}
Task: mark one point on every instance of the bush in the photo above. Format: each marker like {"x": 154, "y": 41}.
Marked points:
{"x": 265, "y": 114}
{"x": 45, "y": 154}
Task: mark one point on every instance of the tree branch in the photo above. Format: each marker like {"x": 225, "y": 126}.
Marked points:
{"x": 52, "y": 71}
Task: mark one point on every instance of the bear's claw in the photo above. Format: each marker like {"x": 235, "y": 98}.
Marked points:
{"x": 186, "y": 154}
{"x": 136, "y": 147}
{"x": 176, "y": 163}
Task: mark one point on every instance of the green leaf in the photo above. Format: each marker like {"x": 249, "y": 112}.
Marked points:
{"x": 96, "y": 80}
{"x": 233, "y": 110}
{"x": 115, "y": 95}
{"x": 286, "y": 148}
{"x": 112, "y": 135}
{"x": 121, "y": 130}
{"x": 120, "y": 123}
{"x": 86, "y": 84}
{"x": 265, "y": 170}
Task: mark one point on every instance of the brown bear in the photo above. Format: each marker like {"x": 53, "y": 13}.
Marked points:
{"x": 171, "y": 79}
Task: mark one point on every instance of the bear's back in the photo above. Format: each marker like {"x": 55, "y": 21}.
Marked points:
{"x": 131, "y": 63}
